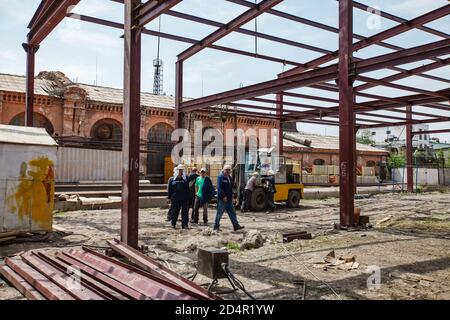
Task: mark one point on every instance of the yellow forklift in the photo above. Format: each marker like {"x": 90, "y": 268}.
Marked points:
{"x": 289, "y": 189}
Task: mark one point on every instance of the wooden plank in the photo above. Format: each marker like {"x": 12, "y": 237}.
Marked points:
{"x": 6, "y": 239}
{"x": 20, "y": 284}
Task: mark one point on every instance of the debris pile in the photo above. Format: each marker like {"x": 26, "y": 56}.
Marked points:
{"x": 341, "y": 263}
{"x": 89, "y": 275}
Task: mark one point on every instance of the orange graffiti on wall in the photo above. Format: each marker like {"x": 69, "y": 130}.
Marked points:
{"x": 35, "y": 192}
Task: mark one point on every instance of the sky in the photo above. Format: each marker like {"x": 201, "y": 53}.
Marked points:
{"x": 91, "y": 53}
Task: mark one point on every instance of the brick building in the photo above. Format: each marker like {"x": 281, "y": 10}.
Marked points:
{"x": 91, "y": 116}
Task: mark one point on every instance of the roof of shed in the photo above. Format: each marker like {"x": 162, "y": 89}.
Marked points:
{"x": 25, "y": 135}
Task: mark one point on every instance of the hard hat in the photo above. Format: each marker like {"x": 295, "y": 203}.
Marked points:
{"x": 270, "y": 173}
{"x": 227, "y": 167}
{"x": 203, "y": 170}
{"x": 180, "y": 167}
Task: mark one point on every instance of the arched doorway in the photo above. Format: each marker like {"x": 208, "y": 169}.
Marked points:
{"x": 159, "y": 147}
{"x": 107, "y": 129}
{"x": 39, "y": 121}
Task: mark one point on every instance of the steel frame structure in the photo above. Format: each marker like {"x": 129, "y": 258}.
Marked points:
{"x": 252, "y": 100}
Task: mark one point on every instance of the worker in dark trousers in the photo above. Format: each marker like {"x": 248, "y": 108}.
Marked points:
{"x": 204, "y": 193}
{"x": 191, "y": 180}
{"x": 249, "y": 188}
{"x": 271, "y": 190}
{"x": 169, "y": 213}
{"x": 179, "y": 196}
{"x": 225, "y": 183}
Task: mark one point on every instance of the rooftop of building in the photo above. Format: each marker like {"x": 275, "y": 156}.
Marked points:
{"x": 55, "y": 83}
{"x": 323, "y": 142}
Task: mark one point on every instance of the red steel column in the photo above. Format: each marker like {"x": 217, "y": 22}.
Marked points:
{"x": 178, "y": 93}
{"x": 346, "y": 115}
{"x": 29, "y": 105}
{"x": 409, "y": 150}
{"x": 279, "y": 123}
{"x": 131, "y": 126}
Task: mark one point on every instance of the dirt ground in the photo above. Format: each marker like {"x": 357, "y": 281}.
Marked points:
{"x": 410, "y": 248}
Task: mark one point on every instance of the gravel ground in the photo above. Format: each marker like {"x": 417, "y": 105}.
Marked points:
{"x": 409, "y": 249}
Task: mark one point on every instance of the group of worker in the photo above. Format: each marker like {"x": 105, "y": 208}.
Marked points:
{"x": 197, "y": 190}
{"x": 250, "y": 187}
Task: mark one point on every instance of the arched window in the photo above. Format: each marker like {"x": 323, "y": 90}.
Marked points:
{"x": 159, "y": 147}
{"x": 107, "y": 129}
{"x": 370, "y": 163}
{"x": 319, "y": 162}
{"x": 39, "y": 121}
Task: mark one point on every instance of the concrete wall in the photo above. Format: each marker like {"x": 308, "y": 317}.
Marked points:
{"x": 76, "y": 164}
{"x": 423, "y": 176}
{"x": 26, "y": 187}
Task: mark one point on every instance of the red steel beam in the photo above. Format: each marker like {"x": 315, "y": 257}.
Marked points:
{"x": 131, "y": 127}
{"x": 61, "y": 279}
{"x": 409, "y": 150}
{"x": 346, "y": 116}
{"x": 185, "y": 40}
{"x": 399, "y": 76}
{"x": 103, "y": 278}
{"x": 335, "y": 30}
{"x": 319, "y": 75}
{"x": 47, "y": 21}
{"x": 20, "y": 284}
{"x": 377, "y": 38}
{"x": 431, "y": 131}
{"x": 229, "y": 27}
{"x": 445, "y": 119}
{"x": 45, "y": 287}
{"x": 401, "y": 87}
{"x": 152, "y": 9}
{"x": 178, "y": 93}
{"x": 279, "y": 123}
{"x": 392, "y": 17}
{"x": 29, "y": 93}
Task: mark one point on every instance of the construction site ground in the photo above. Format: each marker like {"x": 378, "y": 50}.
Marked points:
{"x": 409, "y": 244}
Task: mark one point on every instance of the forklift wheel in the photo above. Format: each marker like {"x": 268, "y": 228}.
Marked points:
{"x": 259, "y": 199}
{"x": 293, "y": 199}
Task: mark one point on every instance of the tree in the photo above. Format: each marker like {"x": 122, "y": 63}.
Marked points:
{"x": 396, "y": 160}
{"x": 365, "y": 138}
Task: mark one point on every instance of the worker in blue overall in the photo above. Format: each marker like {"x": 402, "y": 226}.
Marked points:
{"x": 271, "y": 190}
{"x": 225, "y": 183}
{"x": 178, "y": 193}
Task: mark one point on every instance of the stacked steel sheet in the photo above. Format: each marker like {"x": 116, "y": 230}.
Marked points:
{"x": 89, "y": 275}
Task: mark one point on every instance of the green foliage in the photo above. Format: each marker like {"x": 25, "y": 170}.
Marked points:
{"x": 233, "y": 246}
{"x": 396, "y": 160}
{"x": 365, "y": 138}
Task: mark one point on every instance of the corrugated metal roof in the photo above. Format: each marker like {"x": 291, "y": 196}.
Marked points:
{"x": 25, "y": 135}
{"x": 323, "y": 142}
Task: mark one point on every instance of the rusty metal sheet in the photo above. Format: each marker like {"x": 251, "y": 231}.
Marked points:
{"x": 41, "y": 283}
{"x": 20, "y": 284}
{"x": 102, "y": 278}
{"x": 107, "y": 291}
{"x": 157, "y": 269}
{"x": 62, "y": 279}
{"x": 153, "y": 287}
